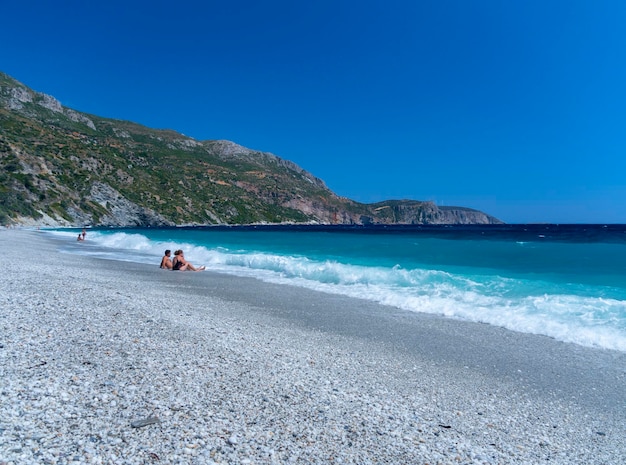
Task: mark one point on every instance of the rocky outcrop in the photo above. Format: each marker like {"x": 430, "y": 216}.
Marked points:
{"x": 229, "y": 150}
{"x": 122, "y": 212}
{"x": 416, "y": 212}
{"x": 463, "y": 215}
{"x": 18, "y": 97}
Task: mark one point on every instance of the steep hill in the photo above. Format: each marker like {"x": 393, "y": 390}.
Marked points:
{"x": 61, "y": 167}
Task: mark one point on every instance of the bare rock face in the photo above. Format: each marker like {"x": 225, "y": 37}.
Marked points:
{"x": 227, "y": 148}
{"x": 79, "y": 118}
{"x": 123, "y": 212}
{"x": 461, "y": 215}
{"x": 49, "y": 102}
{"x": 433, "y": 214}
{"x": 416, "y": 212}
{"x": 19, "y": 96}
{"x": 230, "y": 150}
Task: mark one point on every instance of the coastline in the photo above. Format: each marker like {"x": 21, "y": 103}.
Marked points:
{"x": 241, "y": 371}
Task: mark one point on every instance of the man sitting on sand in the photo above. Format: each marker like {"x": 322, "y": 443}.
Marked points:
{"x": 180, "y": 264}
{"x": 166, "y": 261}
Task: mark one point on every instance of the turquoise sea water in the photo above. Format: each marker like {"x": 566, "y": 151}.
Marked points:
{"x": 567, "y": 281}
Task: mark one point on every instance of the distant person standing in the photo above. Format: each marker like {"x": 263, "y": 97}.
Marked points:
{"x": 84, "y": 233}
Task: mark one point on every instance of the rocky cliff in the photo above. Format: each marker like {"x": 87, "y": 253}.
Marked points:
{"x": 61, "y": 167}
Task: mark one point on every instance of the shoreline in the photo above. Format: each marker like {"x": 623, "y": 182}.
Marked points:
{"x": 588, "y": 303}
{"x": 241, "y": 371}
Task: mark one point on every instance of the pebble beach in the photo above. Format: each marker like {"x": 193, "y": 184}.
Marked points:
{"x": 111, "y": 362}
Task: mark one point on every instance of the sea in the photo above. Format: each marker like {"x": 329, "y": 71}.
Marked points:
{"x": 567, "y": 282}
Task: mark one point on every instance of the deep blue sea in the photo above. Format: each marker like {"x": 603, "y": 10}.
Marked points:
{"x": 563, "y": 281}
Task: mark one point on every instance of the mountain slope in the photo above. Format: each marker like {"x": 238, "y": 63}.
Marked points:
{"x": 62, "y": 167}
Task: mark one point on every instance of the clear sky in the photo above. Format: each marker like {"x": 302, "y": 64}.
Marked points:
{"x": 515, "y": 108}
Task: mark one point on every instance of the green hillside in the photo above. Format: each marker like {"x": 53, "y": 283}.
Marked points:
{"x": 59, "y": 166}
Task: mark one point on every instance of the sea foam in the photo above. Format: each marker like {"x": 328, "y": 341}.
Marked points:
{"x": 567, "y": 312}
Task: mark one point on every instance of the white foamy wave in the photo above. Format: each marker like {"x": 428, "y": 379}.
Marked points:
{"x": 516, "y": 304}
{"x": 123, "y": 241}
{"x": 488, "y": 299}
{"x": 581, "y": 324}
{"x": 131, "y": 247}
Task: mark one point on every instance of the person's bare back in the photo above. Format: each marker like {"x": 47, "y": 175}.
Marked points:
{"x": 166, "y": 261}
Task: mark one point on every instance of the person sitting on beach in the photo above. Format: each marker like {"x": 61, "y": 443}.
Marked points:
{"x": 80, "y": 238}
{"x": 180, "y": 264}
{"x": 166, "y": 261}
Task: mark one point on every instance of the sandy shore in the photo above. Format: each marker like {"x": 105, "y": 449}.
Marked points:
{"x": 232, "y": 370}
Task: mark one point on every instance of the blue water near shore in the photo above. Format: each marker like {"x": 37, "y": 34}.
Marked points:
{"x": 563, "y": 281}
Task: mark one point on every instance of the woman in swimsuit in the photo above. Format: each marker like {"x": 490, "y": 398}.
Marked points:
{"x": 180, "y": 264}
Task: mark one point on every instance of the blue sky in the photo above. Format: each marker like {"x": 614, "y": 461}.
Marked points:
{"x": 516, "y": 108}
